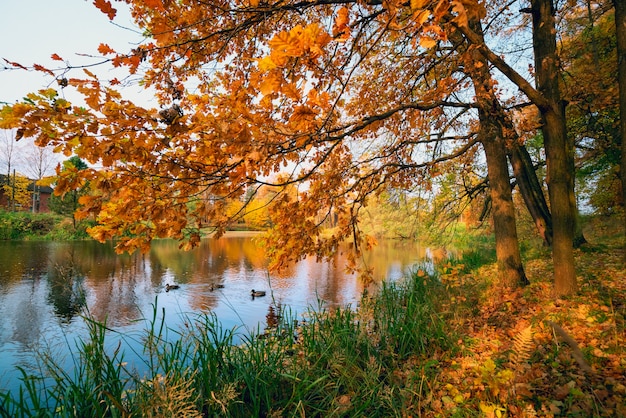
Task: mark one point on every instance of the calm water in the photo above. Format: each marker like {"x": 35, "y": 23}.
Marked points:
{"x": 46, "y": 288}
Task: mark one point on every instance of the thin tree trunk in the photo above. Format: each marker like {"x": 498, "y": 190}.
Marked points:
{"x": 620, "y": 33}
{"x": 531, "y": 190}
{"x": 508, "y": 256}
{"x": 492, "y": 136}
{"x": 559, "y": 156}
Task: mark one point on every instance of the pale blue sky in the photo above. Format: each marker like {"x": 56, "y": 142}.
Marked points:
{"x": 32, "y": 30}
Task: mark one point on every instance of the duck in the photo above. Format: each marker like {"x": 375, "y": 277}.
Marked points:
{"x": 216, "y": 286}
{"x": 257, "y": 293}
{"x": 169, "y": 287}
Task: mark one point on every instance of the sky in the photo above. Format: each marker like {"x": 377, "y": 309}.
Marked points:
{"x": 35, "y": 29}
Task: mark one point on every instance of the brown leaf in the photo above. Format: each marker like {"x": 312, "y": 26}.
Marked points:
{"x": 105, "y": 7}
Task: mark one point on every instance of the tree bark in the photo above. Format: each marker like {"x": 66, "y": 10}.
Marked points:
{"x": 493, "y": 138}
{"x": 509, "y": 260}
{"x": 531, "y": 190}
{"x": 559, "y": 154}
{"x": 548, "y": 100}
{"x": 620, "y": 33}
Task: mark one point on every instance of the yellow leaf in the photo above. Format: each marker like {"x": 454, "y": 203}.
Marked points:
{"x": 266, "y": 63}
{"x": 271, "y": 84}
{"x": 427, "y": 42}
{"x": 421, "y": 16}
{"x": 418, "y": 4}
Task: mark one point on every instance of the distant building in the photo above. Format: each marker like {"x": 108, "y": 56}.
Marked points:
{"x": 39, "y": 196}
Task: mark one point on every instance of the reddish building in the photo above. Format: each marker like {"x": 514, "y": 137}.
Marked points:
{"x": 40, "y": 196}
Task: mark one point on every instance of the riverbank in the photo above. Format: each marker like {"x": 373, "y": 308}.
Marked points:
{"x": 40, "y": 226}
{"x": 51, "y": 227}
{"x": 448, "y": 344}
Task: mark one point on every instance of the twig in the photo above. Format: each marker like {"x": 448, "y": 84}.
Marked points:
{"x": 576, "y": 353}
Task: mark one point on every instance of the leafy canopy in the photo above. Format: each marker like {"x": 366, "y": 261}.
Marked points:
{"x": 347, "y": 97}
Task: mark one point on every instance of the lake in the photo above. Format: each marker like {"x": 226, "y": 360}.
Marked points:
{"x": 47, "y": 287}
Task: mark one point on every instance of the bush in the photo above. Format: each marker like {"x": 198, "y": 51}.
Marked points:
{"x": 18, "y": 225}
{"x": 27, "y": 225}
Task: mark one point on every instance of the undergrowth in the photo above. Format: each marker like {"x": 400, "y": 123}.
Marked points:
{"x": 40, "y": 226}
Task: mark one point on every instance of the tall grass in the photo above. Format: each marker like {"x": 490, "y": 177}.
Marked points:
{"x": 372, "y": 360}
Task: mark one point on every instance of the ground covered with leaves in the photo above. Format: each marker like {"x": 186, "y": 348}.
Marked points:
{"x": 525, "y": 353}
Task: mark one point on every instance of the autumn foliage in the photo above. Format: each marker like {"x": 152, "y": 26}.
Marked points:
{"x": 347, "y": 99}
{"x": 246, "y": 93}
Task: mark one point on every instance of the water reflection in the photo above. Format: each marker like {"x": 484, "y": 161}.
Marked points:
{"x": 45, "y": 287}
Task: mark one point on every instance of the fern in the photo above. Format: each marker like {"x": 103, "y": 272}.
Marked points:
{"x": 523, "y": 346}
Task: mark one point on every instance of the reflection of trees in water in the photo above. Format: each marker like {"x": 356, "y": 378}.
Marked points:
{"x": 207, "y": 265}
{"x": 236, "y": 253}
{"x": 66, "y": 291}
{"x": 211, "y": 258}
{"x": 331, "y": 283}
{"x": 115, "y": 298}
{"x": 91, "y": 275}
{"x": 116, "y": 287}
{"x": 27, "y": 323}
{"x": 19, "y": 259}
{"x": 389, "y": 260}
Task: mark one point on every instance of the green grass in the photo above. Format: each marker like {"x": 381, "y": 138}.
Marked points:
{"x": 40, "y": 226}
{"x": 18, "y": 225}
{"x": 373, "y": 360}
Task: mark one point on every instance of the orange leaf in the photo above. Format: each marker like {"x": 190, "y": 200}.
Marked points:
{"x": 89, "y": 73}
{"x": 341, "y": 30}
{"x": 105, "y": 7}
{"x": 427, "y": 42}
{"x": 15, "y": 64}
{"x": 441, "y": 9}
{"x": 42, "y": 69}
{"x": 105, "y": 49}
{"x": 343, "y": 17}
{"x": 421, "y": 16}
{"x": 271, "y": 84}
{"x": 56, "y": 57}
{"x": 154, "y": 4}
{"x": 461, "y": 13}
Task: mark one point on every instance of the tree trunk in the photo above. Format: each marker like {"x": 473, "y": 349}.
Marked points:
{"x": 531, "y": 190}
{"x": 559, "y": 155}
{"x": 620, "y": 33}
{"x": 510, "y": 266}
{"x": 492, "y": 136}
